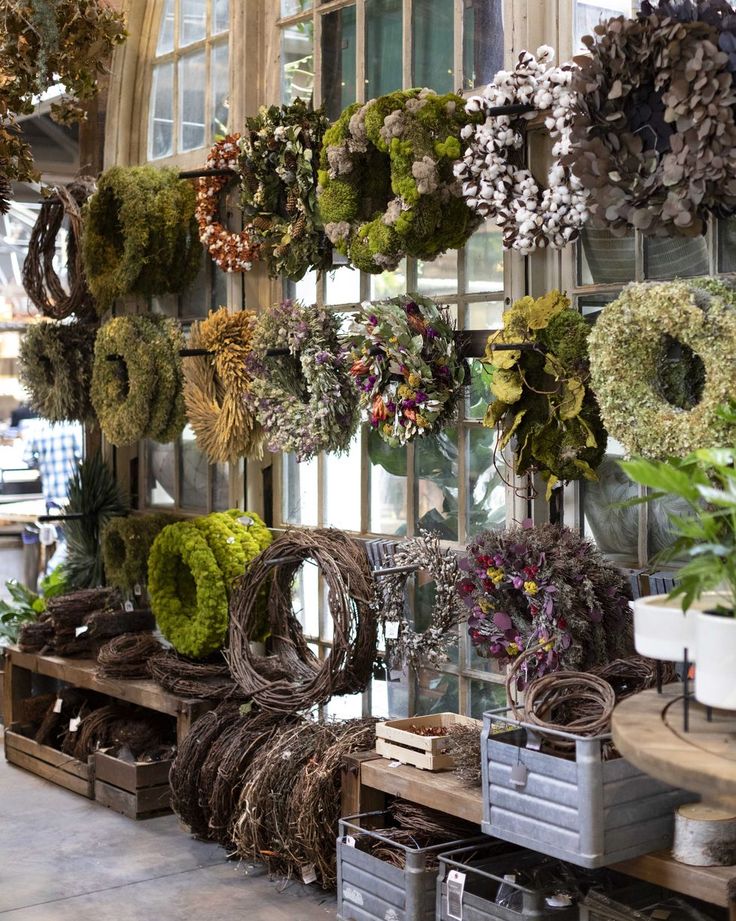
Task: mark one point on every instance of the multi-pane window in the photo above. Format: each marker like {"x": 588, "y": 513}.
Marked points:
{"x": 588, "y": 13}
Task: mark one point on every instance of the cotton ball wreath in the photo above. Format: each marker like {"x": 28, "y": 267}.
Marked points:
{"x": 497, "y": 187}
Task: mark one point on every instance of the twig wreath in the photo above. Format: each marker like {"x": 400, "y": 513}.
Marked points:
{"x": 216, "y": 387}
{"x": 496, "y": 183}
{"x": 40, "y": 280}
{"x": 543, "y": 399}
{"x": 279, "y": 156}
{"x": 386, "y": 183}
{"x": 654, "y": 138}
{"x": 628, "y": 350}
{"x": 406, "y": 366}
{"x": 231, "y": 250}
{"x": 305, "y": 400}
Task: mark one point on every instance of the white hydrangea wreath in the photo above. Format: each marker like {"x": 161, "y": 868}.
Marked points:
{"x": 497, "y": 187}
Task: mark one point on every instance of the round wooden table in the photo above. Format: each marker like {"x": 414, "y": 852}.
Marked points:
{"x": 648, "y": 731}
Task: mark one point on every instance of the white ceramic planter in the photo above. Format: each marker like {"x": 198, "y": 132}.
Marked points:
{"x": 715, "y": 676}
{"x": 662, "y": 630}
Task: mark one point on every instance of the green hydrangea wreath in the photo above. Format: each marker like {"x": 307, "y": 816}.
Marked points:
{"x": 638, "y": 397}
{"x": 386, "y": 183}
{"x": 126, "y": 544}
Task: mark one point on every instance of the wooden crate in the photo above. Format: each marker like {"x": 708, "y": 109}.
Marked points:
{"x": 138, "y": 791}
{"x": 47, "y": 762}
{"x": 394, "y": 739}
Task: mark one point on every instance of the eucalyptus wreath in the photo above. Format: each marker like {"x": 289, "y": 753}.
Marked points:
{"x": 138, "y": 395}
{"x": 55, "y": 368}
{"x": 140, "y": 234}
{"x": 279, "y": 155}
{"x": 406, "y": 365}
{"x": 642, "y": 406}
{"x": 305, "y": 400}
{"x": 386, "y": 183}
{"x": 654, "y": 137}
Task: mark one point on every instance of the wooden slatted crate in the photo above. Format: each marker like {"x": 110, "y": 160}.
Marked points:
{"x": 394, "y": 739}
{"x": 49, "y": 763}
{"x": 139, "y": 790}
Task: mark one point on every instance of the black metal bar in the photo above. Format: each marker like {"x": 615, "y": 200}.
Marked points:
{"x": 658, "y": 674}
{"x": 185, "y": 353}
{"x": 68, "y": 516}
{"x": 275, "y": 353}
{"x": 203, "y": 173}
{"x": 516, "y": 108}
{"x": 686, "y": 702}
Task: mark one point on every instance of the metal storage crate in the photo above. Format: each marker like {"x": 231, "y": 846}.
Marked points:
{"x": 369, "y": 889}
{"x": 586, "y": 810}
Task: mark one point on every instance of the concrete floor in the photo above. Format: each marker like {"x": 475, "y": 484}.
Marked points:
{"x": 65, "y": 858}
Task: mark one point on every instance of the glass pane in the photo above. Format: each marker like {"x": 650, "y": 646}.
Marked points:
{"x": 436, "y": 692}
{"x": 161, "y": 118}
{"x": 435, "y": 469}
{"x": 727, "y": 245}
{"x": 342, "y": 488}
{"x": 588, "y": 13}
{"x": 484, "y": 314}
{"x": 166, "y": 29}
{"x": 615, "y": 530}
{"x": 192, "y": 21}
{"x": 195, "y": 300}
{"x": 387, "y": 487}
{"x": 192, "y": 83}
{"x": 439, "y": 276}
{"x": 220, "y": 292}
{"x": 485, "y": 502}
{"x": 338, "y": 61}
{"x": 383, "y": 47}
{"x": 484, "y": 260}
{"x": 305, "y": 598}
{"x": 605, "y": 259}
{"x": 220, "y": 16}
{"x": 342, "y": 286}
{"x": 485, "y": 696}
{"x": 675, "y": 257}
{"x": 477, "y": 662}
{"x": 160, "y": 461}
{"x": 220, "y": 76}
{"x": 297, "y": 62}
{"x": 433, "y": 44}
{"x": 299, "y": 484}
{"x": 220, "y": 488}
{"x": 347, "y": 707}
{"x": 292, "y": 7}
{"x": 379, "y": 699}
{"x": 389, "y": 284}
{"x": 482, "y": 41}
{"x": 193, "y": 466}
{"x": 304, "y": 290}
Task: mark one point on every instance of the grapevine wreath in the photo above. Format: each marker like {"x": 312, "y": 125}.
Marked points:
{"x": 231, "y": 250}
{"x": 305, "y": 400}
{"x": 406, "y": 365}
{"x": 496, "y": 184}
{"x": 643, "y": 407}
{"x": 386, "y": 183}
{"x": 279, "y": 156}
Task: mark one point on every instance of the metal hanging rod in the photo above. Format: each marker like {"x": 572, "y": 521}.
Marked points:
{"x": 516, "y": 108}
{"x": 66, "y": 516}
{"x": 185, "y": 353}
{"x": 203, "y": 172}
{"x": 395, "y": 570}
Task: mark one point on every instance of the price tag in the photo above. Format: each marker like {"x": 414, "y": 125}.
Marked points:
{"x": 348, "y": 841}
{"x": 58, "y": 704}
{"x": 230, "y": 540}
{"x": 519, "y": 775}
{"x": 564, "y": 900}
{"x": 46, "y": 535}
{"x": 455, "y": 889}
{"x": 246, "y": 521}
{"x": 309, "y": 874}
{"x": 394, "y": 764}
{"x": 137, "y": 590}
{"x": 129, "y": 606}
{"x": 78, "y": 631}
{"x": 391, "y": 629}
{"x": 74, "y": 723}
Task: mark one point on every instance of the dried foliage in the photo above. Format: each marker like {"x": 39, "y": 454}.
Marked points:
{"x": 464, "y": 746}
{"x": 127, "y": 656}
{"x": 193, "y": 679}
{"x": 126, "y": 543}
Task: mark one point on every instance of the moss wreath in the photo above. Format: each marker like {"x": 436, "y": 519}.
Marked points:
{"x": 55, "y": 368}
{"x": 628, "y": 350}
{"x": 187, "y": 590}
{"x": 139, "y": 396}
{"x": 126, "y": 544}
{"x": 386, "y": 183}
{"x": 140, "y": 236}
{"x": 233, "y": 544}
{"x": 216, "y": 387}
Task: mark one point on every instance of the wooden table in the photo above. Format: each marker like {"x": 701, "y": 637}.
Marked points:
{"x": 648, "y": 731}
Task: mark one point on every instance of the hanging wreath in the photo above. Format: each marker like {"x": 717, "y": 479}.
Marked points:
{"x": 305, "y": 400}
{"x": 406, "y": 365}
{"x": 279, "y": 155}
{"x": 139, "y": 235}
{"x": 386, "y": 183}
{"x": 126, "y": 544}
{"x": 139, "y": 394}
{"x": 40, "y": 280}
{"x": 655, "y": 133}
{"x": 232, "y": 543}
{"x": 548, "y": 589}
{"x": 55, "y": 368}
{"x": 496, "y": 184}
{"x": 644, "y": 406}
{"x": 231, "y": 250}
{"x": 216, "y": 387}
{"x": 543, "y": 400}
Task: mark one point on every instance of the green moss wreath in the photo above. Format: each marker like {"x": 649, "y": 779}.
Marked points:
{"x": 386, "y": 183}
{"x": 126, "y": 544}
{"x": 628, "y": 362}
{"x": 232, "y": 543}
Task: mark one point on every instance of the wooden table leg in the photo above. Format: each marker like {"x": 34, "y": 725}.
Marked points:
{"x": 17, "y": 688}
{"x": 188, "y": 714}
{"x": 355, "y": 798}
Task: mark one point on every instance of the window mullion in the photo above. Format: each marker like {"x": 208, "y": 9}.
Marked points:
{"x": 459, "y": 37}
{"x": 360, "y": 50}
{"x": 407, "y": 43}
{"x": 317, "y": 57}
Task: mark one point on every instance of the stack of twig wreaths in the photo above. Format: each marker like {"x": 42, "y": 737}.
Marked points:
{"x": 292, "y": 677}
{"x": 196, "y": 680}
{"x": 127, "y": 656}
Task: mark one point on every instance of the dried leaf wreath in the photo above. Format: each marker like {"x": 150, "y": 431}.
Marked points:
{"x": 496, "y": 183}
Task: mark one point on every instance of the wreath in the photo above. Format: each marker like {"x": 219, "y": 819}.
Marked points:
{"x": 543, "y": 400}
{"x": 126, "y": 544}
{"x": 496, "y": 186}
{"x": 140, "y": 236}
{"x": 279, "y": 155}
{"x": 216, "y": 387}
{"x": 139, "y": 394}
{"x": 232, "y": 543}
{"x": 256, "y": 528}
{"x": 231, "y": 250}
{"x": 406, "y": 365}
{"x": 655, "y": 130}
{"x": 305, "y": 400}
{"x": 544, "y": 588}
{"x": 55, "y": 368}
{"x": 187, "y": 590}
{"x": 429, "y": 646}
{"x": 386, "y": 183}
{"x": 648, "y": 408}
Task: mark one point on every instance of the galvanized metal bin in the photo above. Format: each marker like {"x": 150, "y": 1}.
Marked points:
{"x": 369, "y": 889}
{"x": 585, "y": 810}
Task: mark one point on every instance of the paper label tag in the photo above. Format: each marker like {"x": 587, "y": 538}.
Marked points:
{"x": 46, "y": 535}
{"x": 348, "y": 841}
{"x": 230, "y": 540}
{"x": 455, "y": 889}
{"x": 660, "y": 914}
{"x": 78, "y": 631}
{"x": 137, "y": 590}
{"x": 74, "y": 723}
{"x": 391, "y": 629}
{"x": 519, "y": 775}
{"x": 394, "y": 764}
{"x": 58, "y": 704}
{"x": 129, "y": 606}
{"x": 246, "y": 521}
{"x": 560, "y": 900}
{"x": 309, "y": 874}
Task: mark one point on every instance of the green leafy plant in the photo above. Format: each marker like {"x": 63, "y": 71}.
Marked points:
{"x": 23, "y": 607}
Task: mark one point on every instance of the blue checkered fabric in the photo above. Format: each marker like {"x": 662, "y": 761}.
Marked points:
{"x": 55, "y": 451}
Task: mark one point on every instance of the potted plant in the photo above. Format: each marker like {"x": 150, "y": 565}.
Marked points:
{"x": 705, "y": 536}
